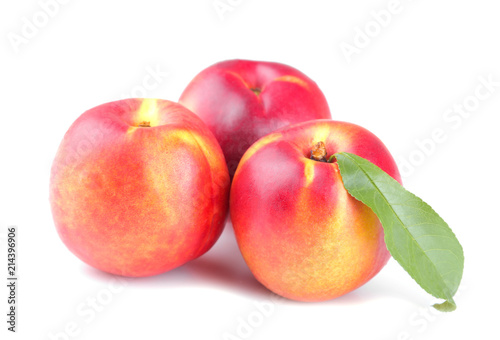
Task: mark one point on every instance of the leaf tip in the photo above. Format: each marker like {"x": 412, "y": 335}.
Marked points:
{"x": 447, "y": 306}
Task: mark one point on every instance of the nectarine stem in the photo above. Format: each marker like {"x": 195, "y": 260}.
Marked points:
{"x": 144, "y": 124}
{"x": 318, "y": 152}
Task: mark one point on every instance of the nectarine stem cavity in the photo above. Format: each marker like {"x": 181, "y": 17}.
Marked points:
{"x": 256, "y": 90}
{"x": 144, "y": 124}
{"x": 319, "y": 153}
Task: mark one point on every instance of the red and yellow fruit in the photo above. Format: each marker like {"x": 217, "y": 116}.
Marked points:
{"x": 139, "y": 187}
{"x": 243, "y": 100}
{"x": 300, "y": 232}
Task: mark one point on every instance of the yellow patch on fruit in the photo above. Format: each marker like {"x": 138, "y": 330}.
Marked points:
{"x": 207, "y": 150}
{"x": 321, "y": 135}
{"x": 295, "y": 80}
{"x": 148, "y": 113}
{"x": 308, "y": 172}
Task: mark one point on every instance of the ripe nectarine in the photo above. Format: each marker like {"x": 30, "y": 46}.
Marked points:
{"x": 138, "y": 187}
{"x": 301, "y": 233}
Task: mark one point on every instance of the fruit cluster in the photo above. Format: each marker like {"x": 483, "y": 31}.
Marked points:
{"x": 141, "y": 186}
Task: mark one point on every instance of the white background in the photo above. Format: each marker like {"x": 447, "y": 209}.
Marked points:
{"x": 428, "y": 58}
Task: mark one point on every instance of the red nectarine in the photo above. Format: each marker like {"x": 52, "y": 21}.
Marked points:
{"x": 301, "y": 233}
{"x": 138, "y": 187}
{"x": 243, "y": 100}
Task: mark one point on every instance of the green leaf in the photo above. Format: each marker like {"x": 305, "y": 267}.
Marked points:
{"x": 415, "y": 235}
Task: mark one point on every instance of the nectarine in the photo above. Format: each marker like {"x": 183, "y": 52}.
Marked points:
{"x": 243, "y": 100}
{"x": 138, "y": 187}
{"x": 301, "y": 233}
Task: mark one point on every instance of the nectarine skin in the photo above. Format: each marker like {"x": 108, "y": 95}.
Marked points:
{"x": 139, "y": 187}
{"x": 300, "y": 232}
{"x": 243, "y": 100}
